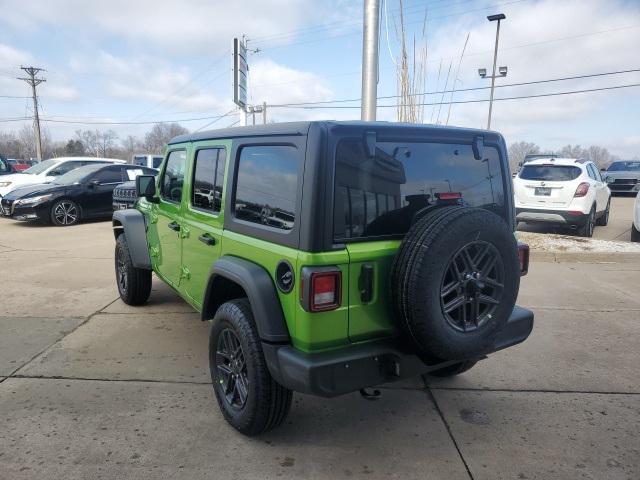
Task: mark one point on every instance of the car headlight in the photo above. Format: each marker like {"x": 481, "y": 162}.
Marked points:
{"x": 5, "y": 184}
{"x": 33, "y": 200}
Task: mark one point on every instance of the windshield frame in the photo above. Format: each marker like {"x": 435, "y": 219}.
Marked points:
{"x": 41, "y": 167}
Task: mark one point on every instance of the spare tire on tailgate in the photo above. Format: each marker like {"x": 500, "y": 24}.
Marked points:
{"x": 454, "y": 282}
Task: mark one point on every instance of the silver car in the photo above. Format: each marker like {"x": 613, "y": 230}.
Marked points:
{"x": 623, "y": 176}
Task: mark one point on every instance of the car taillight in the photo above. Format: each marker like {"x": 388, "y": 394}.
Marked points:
{"x": 325, "y": 291}
{"x": 448, "y": 195}
{"x": 523, "y": 256}
{"x": 320, "y": 288}
{"x": 582, "y": 190}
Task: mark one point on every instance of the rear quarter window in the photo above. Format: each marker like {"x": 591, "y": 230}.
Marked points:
{"x": 379, "y": 197}
{"x": 550, "y": 173}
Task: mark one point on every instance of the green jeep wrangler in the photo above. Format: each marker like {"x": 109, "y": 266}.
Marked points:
{"x": 330, "y": 256}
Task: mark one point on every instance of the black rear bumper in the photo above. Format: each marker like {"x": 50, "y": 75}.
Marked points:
{"x": 345, "y": 370}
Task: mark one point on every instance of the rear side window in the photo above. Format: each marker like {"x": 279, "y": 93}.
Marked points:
{"x": 551, "y": 173}
{"x": 266, "y": 185}
{"x": 379, "y": 196}
{"x": 173, "y": 178}
{"x": 109, "y": 175}
{"x": 208, "y": 178}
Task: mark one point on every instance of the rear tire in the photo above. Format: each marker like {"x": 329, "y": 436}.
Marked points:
{"x": 635, "y": 234}
{"x": 453, "y": 370}
{"x": 604, "y": 219}
{"x": 586, "y": 230}
{"x": 134, "y": 284}
{"x": 248, "y": 396}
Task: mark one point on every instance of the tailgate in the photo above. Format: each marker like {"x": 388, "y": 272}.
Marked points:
{"x": 369, "y": 264}
{"x": 546, "y": 194}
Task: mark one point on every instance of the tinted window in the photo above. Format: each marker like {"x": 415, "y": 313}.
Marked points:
{"x": 266, "y": 185}
{"x": 157, "y": 161}
{"x": 208, "y": 178}
{"x": 624, "y": 166}
{"x": 66, "y": 167}
{"x": 590, "y": 171}
{"x": 109, "y": 175}
{"x": 140, "y": 160}
{"x": 554, "y": 173}
{"x": 173, "y": 178}
{"x": 379, "y": 196}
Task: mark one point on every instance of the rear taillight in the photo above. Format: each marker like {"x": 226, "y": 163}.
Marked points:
{"x": 523, "y": 256}
{"x": 582, "y": 190}
{"x": 321, "y": 288}
{"x": 448, "y": 195}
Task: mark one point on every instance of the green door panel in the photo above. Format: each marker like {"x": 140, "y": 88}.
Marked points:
{"x": 168, "y": 212}
{"x": 371, "y": 319}
{"x": 202, "y": 228}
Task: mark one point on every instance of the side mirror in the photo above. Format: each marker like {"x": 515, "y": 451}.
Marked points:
{"x": 94, "y": 183}
{"x": 146, "y": 187}
{"x": 53, "y": 173}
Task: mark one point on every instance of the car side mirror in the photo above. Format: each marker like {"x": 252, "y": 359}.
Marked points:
{"x": 53, "y": 173}
{"x": 146, "y": 187}
{"x": 94, "y": 183}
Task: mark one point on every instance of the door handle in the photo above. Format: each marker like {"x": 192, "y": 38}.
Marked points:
{"x": 174, "y": 226}
{"x": 207, "y": 239}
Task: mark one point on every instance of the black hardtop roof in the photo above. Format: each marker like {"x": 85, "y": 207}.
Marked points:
{"x": 301, "y": 128}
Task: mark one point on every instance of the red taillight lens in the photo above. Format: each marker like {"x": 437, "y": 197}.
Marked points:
{"x": 448, "y": 195}
{"x": 325, "y": 291}
{"x": 582, "y": 189}
{"x": 523, "y": 256}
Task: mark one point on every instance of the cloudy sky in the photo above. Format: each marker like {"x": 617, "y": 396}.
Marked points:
{"x": 148, "y": 60}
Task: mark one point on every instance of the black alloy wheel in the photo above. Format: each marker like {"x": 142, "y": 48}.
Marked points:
{"x": 232, "y": 368}
{"x": 472, "y": 286}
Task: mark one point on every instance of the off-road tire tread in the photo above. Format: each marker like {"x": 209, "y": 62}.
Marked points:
{"x": 139, "y": 279}
{"x": 273, "y": 403}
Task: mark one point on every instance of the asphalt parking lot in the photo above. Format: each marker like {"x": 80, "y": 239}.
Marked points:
{"x": 618, "y": 228}
{"x": 91, "y": 388}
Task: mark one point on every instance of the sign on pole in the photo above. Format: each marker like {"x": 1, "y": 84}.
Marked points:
{"x": 240, "y": 69}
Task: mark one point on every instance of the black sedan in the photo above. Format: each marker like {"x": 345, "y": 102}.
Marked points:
{"x": 85, "y": 192}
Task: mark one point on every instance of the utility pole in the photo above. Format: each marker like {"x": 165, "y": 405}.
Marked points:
{"x": 264, "y": 113}
{"x": 34, "y": 82}
{"x": 370, "y": 59}
{"x": 503, "y": 70}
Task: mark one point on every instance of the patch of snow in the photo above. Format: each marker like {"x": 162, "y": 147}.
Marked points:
{"x": 544, "y": 242}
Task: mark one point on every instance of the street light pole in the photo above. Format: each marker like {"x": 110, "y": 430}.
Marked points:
{"x": 370, "y": 60}
{"x": 493, "y": 18}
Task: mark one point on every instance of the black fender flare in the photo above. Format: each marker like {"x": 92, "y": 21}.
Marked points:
{"x": 260, "y": 290}
{"x": 131, "y": 224}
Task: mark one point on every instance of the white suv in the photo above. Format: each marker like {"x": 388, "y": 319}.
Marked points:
{"x": 562, "y": 191}
{"x": 47, "y": 171}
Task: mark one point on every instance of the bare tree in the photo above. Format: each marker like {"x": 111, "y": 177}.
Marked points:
{"x": 517, "y": 152}
{"x": 130, "y": 145}
{"x": 157, "y": 138}
{"x": 106, "y": 142}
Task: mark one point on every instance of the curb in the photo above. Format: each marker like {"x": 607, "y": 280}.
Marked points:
{"x": 585, "y": 257}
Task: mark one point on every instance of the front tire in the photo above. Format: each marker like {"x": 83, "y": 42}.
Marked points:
{"x": 604, "y": 219}
{"x": 64, "y": 213}
{"x": 635, "y": 234}
{"x": 248, "y": 396}
{"x": 134, "y": 284}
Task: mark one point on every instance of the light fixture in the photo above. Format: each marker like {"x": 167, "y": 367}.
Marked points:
{"x": 482, "y": 72}
{"x": 502, "y": 71}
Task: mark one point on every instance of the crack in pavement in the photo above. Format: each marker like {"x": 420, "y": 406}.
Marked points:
{"x": 531, "y": 390}
{"x": 34, "y": 357}
{"x": 448, "y": 428}
{"x": 109, "y": 380}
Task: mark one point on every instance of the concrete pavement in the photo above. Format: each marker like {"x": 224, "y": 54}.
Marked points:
{"x": 97, "y": 389}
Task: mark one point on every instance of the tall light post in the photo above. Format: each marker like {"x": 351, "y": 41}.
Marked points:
{"x": 370, "y": 59}
{"x": 503, "y": 70}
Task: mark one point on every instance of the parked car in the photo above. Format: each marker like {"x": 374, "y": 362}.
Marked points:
{"x": 47, "y": 171}
{"x": 635, "y": 225}
{"x": 18, "y": 166}
{"x": 562, "y": 191}
{"x": 5, "y": 168}
{"x": 147, "y": 160}
{"x": 124, "y": 195}
{"x": 84, "y": 192}
{"x": 379, "y": 271}
{"x": 623, "y": 176}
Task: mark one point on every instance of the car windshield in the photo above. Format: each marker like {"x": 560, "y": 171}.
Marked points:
{"x": 77, "y": 175}
{"x": 624, "y": 167}
{"x": 551, "y": 173}
{"x": 41, "y": 167}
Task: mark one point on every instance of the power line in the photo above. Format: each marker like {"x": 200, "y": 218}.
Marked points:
{"x": 12, "y": 96}
{"x": 78, "y": 122}
{"x": 233, "y": 110}
{"x": 470, "y": 89}
{"x": 520, "y": 97}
